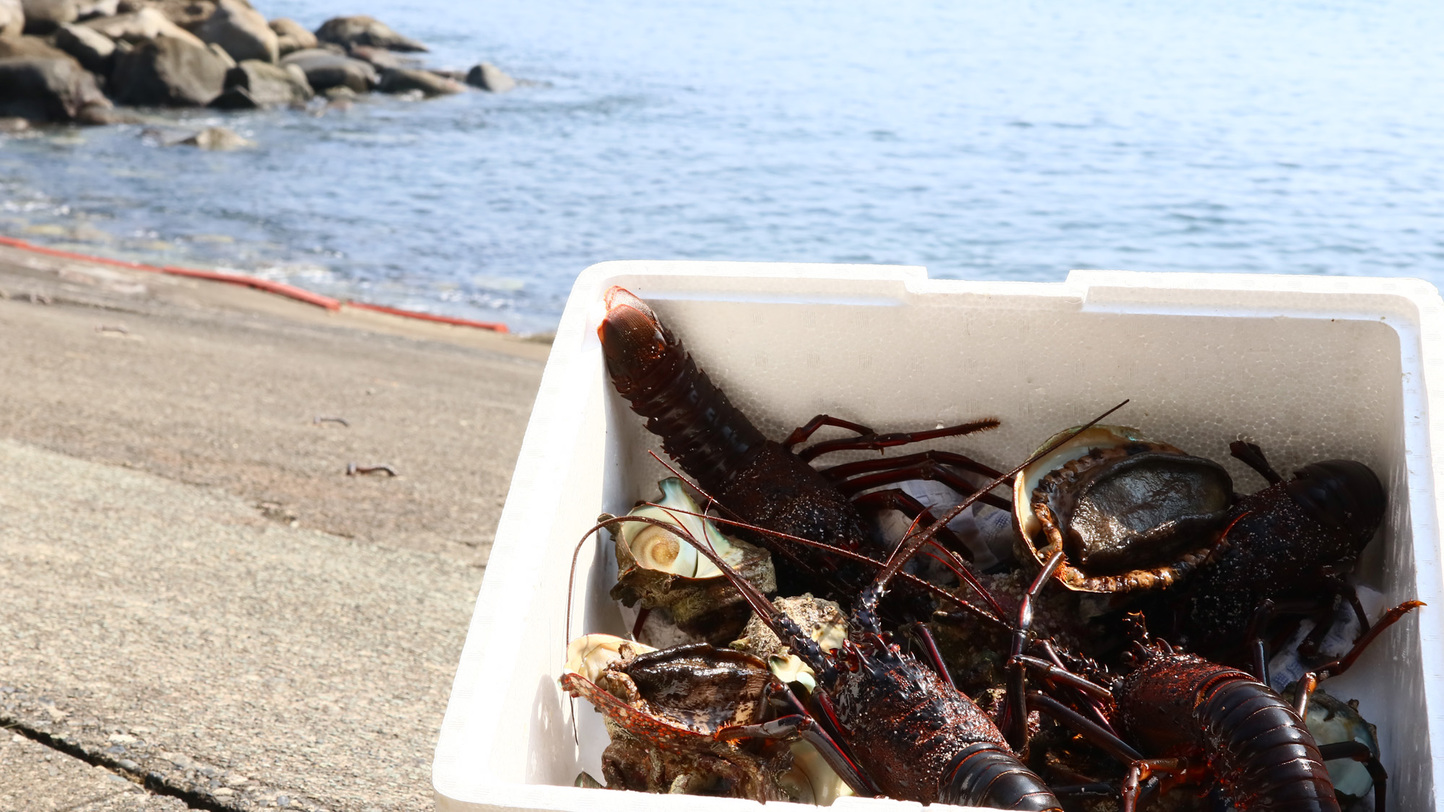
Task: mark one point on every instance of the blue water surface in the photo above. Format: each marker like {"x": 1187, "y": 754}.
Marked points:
{"x": 985, "y": 140}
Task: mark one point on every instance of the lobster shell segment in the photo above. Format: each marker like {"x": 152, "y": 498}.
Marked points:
{"x": 1258, "y": 749}
{"x": 1129, "y": 513}
{"x": 699, "y": 426}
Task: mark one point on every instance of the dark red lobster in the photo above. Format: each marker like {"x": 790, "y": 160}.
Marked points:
{"x": 763, "y": 482}
{"x": 1209, "y": 724}
{"x": 890, "y": 724}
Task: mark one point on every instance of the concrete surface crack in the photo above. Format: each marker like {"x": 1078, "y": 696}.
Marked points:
{"x": 151, "y": 782}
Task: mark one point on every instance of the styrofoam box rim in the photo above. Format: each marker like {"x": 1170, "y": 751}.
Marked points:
{"x": 1411, "y": 307}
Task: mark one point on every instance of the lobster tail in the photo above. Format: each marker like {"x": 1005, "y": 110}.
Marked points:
{"x": 1267, "y": 759}
{"x": 1259, "y": 750}
{"x": 988, "y": 775}
{"x": 699, "y": 426}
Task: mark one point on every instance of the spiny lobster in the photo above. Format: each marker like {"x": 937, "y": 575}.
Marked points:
{"x": 767, "y": 484}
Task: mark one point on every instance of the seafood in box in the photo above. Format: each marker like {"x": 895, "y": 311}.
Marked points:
{"x": 1308, "y": 369}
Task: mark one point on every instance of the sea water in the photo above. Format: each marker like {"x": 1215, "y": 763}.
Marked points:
{"x": 985, "y": 140}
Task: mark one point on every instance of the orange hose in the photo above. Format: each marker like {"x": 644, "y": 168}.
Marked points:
{"x": 278, "y": 288}
{"x": 25, "y": 246}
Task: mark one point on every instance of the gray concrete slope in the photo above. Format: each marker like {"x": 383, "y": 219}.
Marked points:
{"x": 195, "y": 598}
{"x": 178, "y": 630}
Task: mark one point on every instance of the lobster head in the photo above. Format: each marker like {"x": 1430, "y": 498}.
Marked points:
{"x": 1343, "y": 494}
{"x": 633, "y": 340}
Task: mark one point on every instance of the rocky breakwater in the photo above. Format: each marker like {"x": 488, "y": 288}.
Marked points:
{"x": 78, "y": 60}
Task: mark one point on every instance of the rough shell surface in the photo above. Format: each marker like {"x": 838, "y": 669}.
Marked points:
{"x": 658, "y": 569}
{"x": 1129, "y": 513}
{"x": 663, "y": 711}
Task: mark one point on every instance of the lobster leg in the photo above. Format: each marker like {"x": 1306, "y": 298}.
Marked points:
{"x": 1053, "y": 673}
{"x": 843, "y": 471}
{"x": 1361, "y": 753}
{"x": 877, "y": 442}
{"x": 1143, "y": 769}
{"x": 1095, "y": 697}
{"x": 1321, "y": 612}
{"x": 831, "y": 746}
{"x": 1340, "y": 590}
{"x": 801, "y": 725}
{"x": 930, "y": 645}
{"x": 1391, "y": 617}
{"x": 1304, "y": 692}
{"x": 801, "y": 433}
{"x": 856, "y": 477}
{"x": 1015, "y": 711}
{"x": 1262, "y": 616}
{"x": 910, "y": 507}
{"x": 1105, "y": 739}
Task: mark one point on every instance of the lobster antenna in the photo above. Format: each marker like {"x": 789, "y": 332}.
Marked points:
{"x": 567, "y": 625}
{"x": 712, "y": 500}
{"x": 994, "y": 613}
{"x": 572, "y": 578}
{"x": 781, "y": 625}
{"x": 951, "y": 560}
{"x": 912, "y": 543}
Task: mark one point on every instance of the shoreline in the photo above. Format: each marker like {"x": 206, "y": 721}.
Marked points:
{"x": 206, "y": 602}
{"x": 266, "y": 285}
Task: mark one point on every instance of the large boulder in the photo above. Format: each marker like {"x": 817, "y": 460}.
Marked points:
{"x": 254, "y": 84}
{"x": 291, "y": 36}
{"x": 29, "y": 47}
{"x": 242, "y": 31}
{"x": 403, "y": 80}
{"x": 142, "y": 26}
{"x": 325, "y": 70}
{"x": 44, "y": 16}
{"x": 380, "y": 58}
{"x": 188, "y": 14}
{"x": 49, "y": 90}
{"x": 168, "y": 71}
{"x": 489, "y": 77}
{"x": 86, "y": 9}
{"x": 92, "y": 49}
{"x": 12, "y": 18}
{"x": 221, "y": 54}
{"x": 364, "y": 30}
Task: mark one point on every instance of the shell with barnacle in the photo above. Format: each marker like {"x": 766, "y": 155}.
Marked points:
{"x": 664, "y": 710}
{"x": 659, "y": 569}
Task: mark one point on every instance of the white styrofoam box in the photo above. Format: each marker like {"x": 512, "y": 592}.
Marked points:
{"x": 1308, "y": 367}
